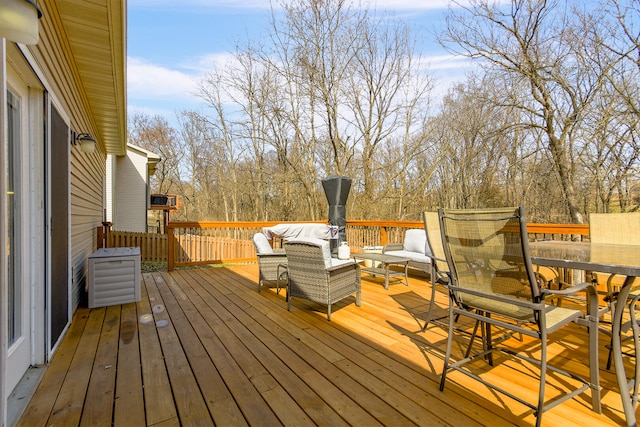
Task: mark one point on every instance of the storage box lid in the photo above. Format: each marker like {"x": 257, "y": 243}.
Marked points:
{"x": 115, "y": 252}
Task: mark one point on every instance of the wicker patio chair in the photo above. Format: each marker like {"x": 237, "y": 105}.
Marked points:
{"x": 493, "y": 281}
{"x": 271, "y": 263}
{"x": 315, "y": 276}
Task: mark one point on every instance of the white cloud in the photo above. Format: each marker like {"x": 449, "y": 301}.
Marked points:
{"x": 148, "y": 111}
{"x": 171, "y": 86}
{"x": 212, "y": 4}
{"x": 154, "y": 89}
{"x": 154, "y": 82}
{"x": 158, "y": 90}
{"x": 407, "y": 4}
{"x": 266, "y": 4}
{"x": 449, "y": 62}
{"x": 208, "y": 62}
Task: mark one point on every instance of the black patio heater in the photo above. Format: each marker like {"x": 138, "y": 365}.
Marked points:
{"x": 337, "y": 190}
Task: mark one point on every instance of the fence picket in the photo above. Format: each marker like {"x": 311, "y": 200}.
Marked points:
{"x": 153, "y": 246}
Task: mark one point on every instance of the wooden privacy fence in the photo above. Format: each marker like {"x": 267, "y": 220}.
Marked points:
{"x": 153, "y": 246}
{"x": 203, "y": 243}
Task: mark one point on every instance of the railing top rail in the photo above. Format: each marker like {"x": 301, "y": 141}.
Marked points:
{"x": 232, "y": 224}
{"x": 581, "y": 229}
{"x": 384, "y": 223}
{"x": 534, "y": 228}
{"x": 385, "y": 229}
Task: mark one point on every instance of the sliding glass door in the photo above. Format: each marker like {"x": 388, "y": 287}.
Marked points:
{"x": 18, "y": 337}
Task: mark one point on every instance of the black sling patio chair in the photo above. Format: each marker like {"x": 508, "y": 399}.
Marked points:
{"x": 439, "y": 266}
{"x": 492, "y": 281}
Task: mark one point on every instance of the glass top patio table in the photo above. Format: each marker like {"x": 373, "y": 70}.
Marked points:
{"x": 606, "y": 258}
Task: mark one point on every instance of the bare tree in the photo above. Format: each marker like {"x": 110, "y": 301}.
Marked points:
{"x": 156, "y": 135}
{"x": 198, "y": 164}
{"x": 326, "y": 37}
{"x": 470, "y": 151}
{"x": 613, "y": 38}
{"x": 387, "y": 96}
{"x": 225, "y": 148}
{"x": 550, "y": 120}
{"x": 331, "y": 88}
{"x": 536, "y": 42}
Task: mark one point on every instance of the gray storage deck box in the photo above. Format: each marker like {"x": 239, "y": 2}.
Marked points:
{"x": 114, "y": 276}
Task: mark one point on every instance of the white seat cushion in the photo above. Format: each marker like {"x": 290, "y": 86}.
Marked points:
{"x": 336, "y": 262}
{"x": 415, "y": 240}
{"x": 262, "y": 244}
{"x": 326, "y": 249}
{"x": 413, "y": 256}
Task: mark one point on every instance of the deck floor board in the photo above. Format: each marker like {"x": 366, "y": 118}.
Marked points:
{"x": 129, "y": 399}
{"x": 203, "y": 347}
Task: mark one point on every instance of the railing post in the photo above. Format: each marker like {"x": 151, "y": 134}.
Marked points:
{"x": 108, "y": 238}
{"x": 383, "y": 235}
{"x": 100, "y": 239}
{"x": 171, "y": 255}
{"x": 104, "y": 235}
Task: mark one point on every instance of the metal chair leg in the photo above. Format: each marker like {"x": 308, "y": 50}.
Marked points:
{"x": 448, "y": 353}
{"x": 636, "y": 345}
{"x": 431, "y": 303}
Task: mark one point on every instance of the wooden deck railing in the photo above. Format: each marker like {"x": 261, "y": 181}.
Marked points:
{"x": 203, "y": 243}
{"x": 153, "y": 246}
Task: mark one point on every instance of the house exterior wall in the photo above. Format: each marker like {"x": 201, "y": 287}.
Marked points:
{"x": 109, "y": 187}
{"x": 76, "y": 70}
{"x": 130, "y": 211}
{"x": 87, "y": 171}
{"x": 87, "y": 180}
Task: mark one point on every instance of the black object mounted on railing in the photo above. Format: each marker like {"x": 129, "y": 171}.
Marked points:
{"x": 337, "y": 190}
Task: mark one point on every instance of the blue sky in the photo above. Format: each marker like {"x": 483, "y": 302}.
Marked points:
{"x": 172, "y": 45}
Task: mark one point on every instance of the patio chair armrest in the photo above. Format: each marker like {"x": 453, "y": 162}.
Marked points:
{"x": 443, "y": 277}
{"x": 392, "y": 247}
{"x": 272, "y": 255}
{"x": 584, "y": 286}
{"x": 346, "y": 265}
{"x": 591, "y": 297}
{"x": 284, "y": 269}
{"x": 436, "y": 259}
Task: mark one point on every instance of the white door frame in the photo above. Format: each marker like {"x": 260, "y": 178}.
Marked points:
{"x": 16, "y": 75}
{"x": 4, "y": 293}
{"x": 19, "y": 355}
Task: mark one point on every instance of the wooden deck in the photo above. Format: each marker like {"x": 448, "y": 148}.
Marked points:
{"x": 203, "y": 347}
